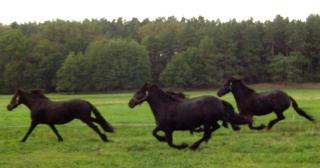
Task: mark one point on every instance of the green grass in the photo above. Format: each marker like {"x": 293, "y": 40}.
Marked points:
{"x": 294, "y": 142}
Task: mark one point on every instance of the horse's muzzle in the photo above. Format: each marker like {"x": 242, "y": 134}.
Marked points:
{"x": 132, "y": 103}
{"x": 10, "y": 107}
{"x": 220, "y": 93}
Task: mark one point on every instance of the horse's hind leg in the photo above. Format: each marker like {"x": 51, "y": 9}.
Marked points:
{"x": 170, "y": 143}
{"x": 280, "y": 117}
{"x": 96, "y": 129}
{"x": 158, "y": 137}
{"x": 206, "y": 135}
{"x": 54, "y": 129}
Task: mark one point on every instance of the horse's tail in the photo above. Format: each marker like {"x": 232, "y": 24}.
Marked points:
{"x": 230, "y": 116}
{"x": 233, "y": 117}
{"x": 228, "y": 108}
{"x": 300, "y": 111}
{"x": 103, "y": 122}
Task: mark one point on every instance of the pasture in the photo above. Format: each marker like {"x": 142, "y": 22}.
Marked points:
{"x": 293, "y": 142}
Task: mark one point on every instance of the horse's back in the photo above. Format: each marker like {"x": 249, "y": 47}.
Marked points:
{"x": 204, "y": 105}
{"x": 64, "y": 111}
{"x": 274, "y": 100}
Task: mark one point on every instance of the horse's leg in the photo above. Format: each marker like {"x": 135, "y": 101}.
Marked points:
{"x": 159, "y": 138}
{"x": 260, "y": 127}
{"x": 54, "y": 129}
{"x": 224, "y": 124}
{"x": 199, "y": 129}
{"x": 32, "y": 126}
{"x": 170, "y": 143}
{"x": 206, "y": 135}
{"x": 245, "y": 119}
{"x": 235, "y": 127}
{"x": 96, "y": 129}
{"x": 280, "y": 117}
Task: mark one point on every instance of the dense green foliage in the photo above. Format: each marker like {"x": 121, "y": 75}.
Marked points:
{"x": 293, "y": 142}
{"x": 186, "y": 53}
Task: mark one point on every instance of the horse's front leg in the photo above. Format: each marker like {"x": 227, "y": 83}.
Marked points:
{"x": 245, "y": 119}
{"x": 32, "y": 126}
{"x": 250, "y": 124}
{"x": 170, "y": 141}
{"x": 260, "y": 127}
{"x": 158, "y": 137}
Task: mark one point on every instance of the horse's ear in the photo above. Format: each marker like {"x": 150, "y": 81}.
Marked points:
{"x": 153, "y": 86}
{"x": 147, "y": 85}
{"x": 19, "y": 90}
{"x": 37, "y": 91}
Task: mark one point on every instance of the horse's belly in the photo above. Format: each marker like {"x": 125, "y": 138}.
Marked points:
{"x": 58, "y": 119}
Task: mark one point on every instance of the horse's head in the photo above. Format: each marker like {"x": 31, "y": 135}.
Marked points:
{"x": 16, "y": 100}
{"x": 228, "y": 86}
{"x": 20, "y": 96}
{"x": 140, "y": 96}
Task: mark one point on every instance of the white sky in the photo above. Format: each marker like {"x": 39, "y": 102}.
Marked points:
{"x": 23, "y": 11}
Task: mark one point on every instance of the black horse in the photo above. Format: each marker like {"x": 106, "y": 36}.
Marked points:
{"x": 45, "y": 111}
{"x": 181, "y": 95}
{"x": 174, "y": 113}
{"x": 250, "y": 103}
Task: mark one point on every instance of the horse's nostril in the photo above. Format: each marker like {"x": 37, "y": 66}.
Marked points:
{"x": 131, "y": 103}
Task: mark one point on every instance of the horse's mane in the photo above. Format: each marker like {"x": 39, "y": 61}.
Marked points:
{"x": 166, "y": 94}
{"x": 246, "y": 86}
{"x": 180, "y": 95}
{"x": 39, "y": 93}
{"x": 242, "y": 83}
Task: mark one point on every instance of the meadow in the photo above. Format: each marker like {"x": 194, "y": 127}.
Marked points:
{"x": 293, "y": 142}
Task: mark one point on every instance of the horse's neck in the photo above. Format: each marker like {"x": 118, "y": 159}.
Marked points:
{"x": 30, "y": 102}
{"x": 242, "y": 93}
{"x": 158, "y": 100}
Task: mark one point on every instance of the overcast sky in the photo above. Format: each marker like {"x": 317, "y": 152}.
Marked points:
{"x": 23, "y": 11}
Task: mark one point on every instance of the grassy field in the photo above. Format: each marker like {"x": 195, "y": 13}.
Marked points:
{"x": 294, "y": 142}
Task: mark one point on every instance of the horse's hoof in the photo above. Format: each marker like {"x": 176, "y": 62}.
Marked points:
{"x": 194, "y": 147}
{"x": 262, "y": 126}
{"x": 236, "y": 128}
{"x": 182, "y": 146}
{"x": 269, "y": 127}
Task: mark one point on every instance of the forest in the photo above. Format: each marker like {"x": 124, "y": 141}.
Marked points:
{"x": 105, "y": 55}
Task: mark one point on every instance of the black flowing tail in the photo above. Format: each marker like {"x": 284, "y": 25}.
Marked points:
{"x": 234, "y": 117}
{"x": 230, "y": 116}
{"x": 103, "y": 122}
{"x": 300, "y": 111}
{"x": 228, "y": 109}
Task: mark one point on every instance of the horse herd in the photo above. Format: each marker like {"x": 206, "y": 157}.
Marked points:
{"x": 172, "y": 111}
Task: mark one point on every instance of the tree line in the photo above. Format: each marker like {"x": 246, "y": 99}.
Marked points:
{"x": 102, "y": 55}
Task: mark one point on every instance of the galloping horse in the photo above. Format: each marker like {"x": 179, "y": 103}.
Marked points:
{"x": 45, "y": 111}
{"x": 251, "y": 103}
{"x": 173, "y": 113}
